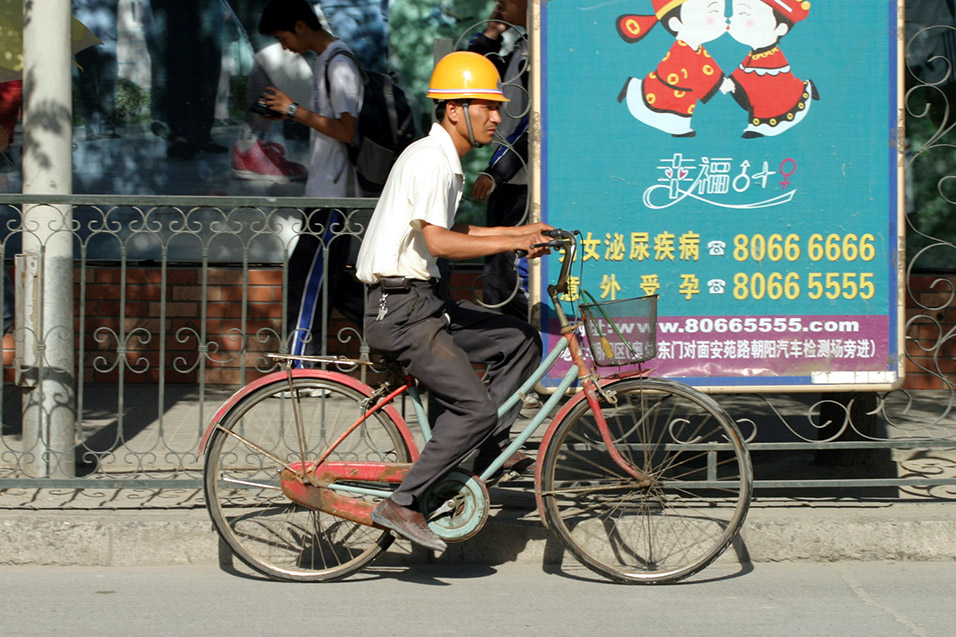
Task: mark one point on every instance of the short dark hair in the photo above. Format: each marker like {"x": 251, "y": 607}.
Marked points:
{"x": 440, "y": 106}
{"x": 281, "y": 15}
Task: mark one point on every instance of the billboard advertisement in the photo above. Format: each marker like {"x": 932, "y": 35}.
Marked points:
{"x": 741, "y": 159}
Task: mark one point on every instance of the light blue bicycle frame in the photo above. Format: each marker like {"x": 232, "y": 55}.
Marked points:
{"x": 415, "y": 396}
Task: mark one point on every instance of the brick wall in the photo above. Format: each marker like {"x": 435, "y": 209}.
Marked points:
{"x": 187, "y": 330}
{"x": 223, "y": 321}
{"x": 931, "y": 332}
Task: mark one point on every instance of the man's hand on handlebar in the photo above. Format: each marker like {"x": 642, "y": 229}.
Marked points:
{"x": 533, "y": 245}
{"x": 560, "y": 239}
{"x": 539, "y": 227}
{"x": 533, "y": 240}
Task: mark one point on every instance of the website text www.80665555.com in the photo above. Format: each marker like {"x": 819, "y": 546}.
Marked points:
{"x": 759, "y": 325}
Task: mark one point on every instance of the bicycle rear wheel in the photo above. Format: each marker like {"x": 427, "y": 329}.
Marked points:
{"x": 699, "y": 483}
{"x": 256, "y": 439}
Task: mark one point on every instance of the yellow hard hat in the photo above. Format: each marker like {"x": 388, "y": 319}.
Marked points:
{"x": 465, "y": 75}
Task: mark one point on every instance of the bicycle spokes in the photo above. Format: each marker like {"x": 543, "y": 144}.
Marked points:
{"x": 681, "y": 516}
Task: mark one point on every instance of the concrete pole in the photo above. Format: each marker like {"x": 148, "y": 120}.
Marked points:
{"x": 49, "y": 406}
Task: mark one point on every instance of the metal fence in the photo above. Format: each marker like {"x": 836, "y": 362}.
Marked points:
{"x": 177, "y": 301}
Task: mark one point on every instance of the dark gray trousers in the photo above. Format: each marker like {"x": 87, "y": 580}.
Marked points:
{"x": 438, "y": 342}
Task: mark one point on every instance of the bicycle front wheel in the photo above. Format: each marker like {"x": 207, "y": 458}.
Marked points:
{"x": 686, "y": 508}
{"x": 256, "y": 439}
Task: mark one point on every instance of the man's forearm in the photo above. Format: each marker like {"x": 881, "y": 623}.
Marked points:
{"x": 468, "y": 242}
{"x": 342, "y": 129}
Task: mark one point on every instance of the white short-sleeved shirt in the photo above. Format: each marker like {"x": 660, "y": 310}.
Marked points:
{"x": 330, "y": 172}
{"x": 425, "y": 184}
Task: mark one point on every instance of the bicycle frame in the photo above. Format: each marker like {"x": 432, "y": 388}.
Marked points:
{"x": 317, "y": 483}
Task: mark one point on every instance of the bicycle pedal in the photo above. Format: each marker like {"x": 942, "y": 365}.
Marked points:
{"x": 447, "y": 507}
{"x": 530, "y": 401}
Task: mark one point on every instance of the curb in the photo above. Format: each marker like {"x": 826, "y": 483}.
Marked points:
{"x": 904, "y": 532}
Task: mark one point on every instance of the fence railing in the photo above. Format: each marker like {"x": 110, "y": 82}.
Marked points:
{"x": 177, "y": 301}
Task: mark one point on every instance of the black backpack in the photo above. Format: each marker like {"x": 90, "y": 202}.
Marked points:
{"x": 386, "y": 126}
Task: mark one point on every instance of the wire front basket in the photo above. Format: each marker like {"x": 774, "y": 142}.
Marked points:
{"x": 621, "y": 332}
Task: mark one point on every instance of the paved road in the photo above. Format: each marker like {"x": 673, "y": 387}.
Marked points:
{"x": 849, "y": 598}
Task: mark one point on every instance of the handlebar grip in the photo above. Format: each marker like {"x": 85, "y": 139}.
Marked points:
{"x": 562, "y": 238}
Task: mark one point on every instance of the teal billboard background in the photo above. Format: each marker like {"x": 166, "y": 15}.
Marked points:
{"x": 776, "y": 256}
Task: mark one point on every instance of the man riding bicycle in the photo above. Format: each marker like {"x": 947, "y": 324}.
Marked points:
{"x": 437, "y": 340}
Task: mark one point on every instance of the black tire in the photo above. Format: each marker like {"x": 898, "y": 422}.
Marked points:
{"x": 684, "y": 519}
{"x": 262, "y": 527}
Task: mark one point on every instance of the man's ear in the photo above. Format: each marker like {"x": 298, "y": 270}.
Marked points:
{"x": 782, "y": 29}
{"x": 674, "y": 24}
{"x": 452, "y": 111}
{"x": 299, "y": 27}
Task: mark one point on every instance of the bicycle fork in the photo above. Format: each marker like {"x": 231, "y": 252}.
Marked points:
{"x": 591, "y": 391}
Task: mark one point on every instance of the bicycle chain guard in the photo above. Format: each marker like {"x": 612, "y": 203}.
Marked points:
{"x": 461, "y": 503}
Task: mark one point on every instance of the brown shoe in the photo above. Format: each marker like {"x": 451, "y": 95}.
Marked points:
{"x": 409, "y": 524}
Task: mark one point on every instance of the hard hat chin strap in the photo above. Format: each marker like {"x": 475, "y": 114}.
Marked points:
{"x": 471, "y": 133}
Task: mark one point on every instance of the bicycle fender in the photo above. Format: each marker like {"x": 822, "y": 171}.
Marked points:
{"x": 559, "y": 418}
{"x": 282, "y": 376}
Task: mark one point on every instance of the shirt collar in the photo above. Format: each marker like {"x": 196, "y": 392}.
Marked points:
{"x": 447, "y": 147}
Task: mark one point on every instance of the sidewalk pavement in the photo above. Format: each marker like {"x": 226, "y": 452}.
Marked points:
{"x": 101, "y": 527}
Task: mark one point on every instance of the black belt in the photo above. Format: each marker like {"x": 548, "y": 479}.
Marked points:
{"x": 399, "y": 284}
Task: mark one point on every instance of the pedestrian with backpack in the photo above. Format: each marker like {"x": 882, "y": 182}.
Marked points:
{"x": 385, "y": 128}
{"x": 332, "y": 112}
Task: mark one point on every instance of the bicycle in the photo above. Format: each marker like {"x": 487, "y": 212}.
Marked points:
{"x": 644, "y": 480}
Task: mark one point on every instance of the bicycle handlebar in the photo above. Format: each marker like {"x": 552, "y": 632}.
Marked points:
{"x": 563, "y": 239}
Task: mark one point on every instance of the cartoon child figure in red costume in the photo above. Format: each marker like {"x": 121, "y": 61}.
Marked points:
{"x": 763, "y": 84}
{"x": 667, "y": 97}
